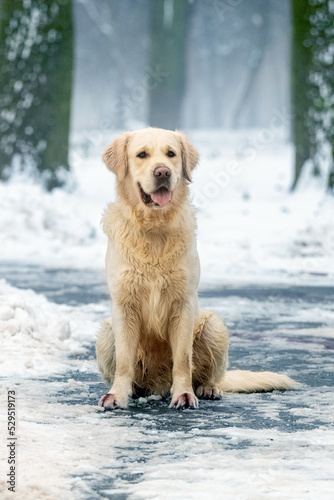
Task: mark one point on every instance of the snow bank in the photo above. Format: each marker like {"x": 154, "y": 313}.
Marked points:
{"x": 34, "y": 333}
{"x": 58, "y": 229}
{"x": 249, "y": 224}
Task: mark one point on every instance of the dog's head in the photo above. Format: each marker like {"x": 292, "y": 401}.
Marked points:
{"x": 152, "y": 166}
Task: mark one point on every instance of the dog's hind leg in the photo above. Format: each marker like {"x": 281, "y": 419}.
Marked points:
{"x": 105, "y": 351}
{"x": 210, "y": 360}
{"x": 210, "y": 355}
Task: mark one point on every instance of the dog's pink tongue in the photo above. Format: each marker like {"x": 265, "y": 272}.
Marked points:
{"x": 162, "y": 197}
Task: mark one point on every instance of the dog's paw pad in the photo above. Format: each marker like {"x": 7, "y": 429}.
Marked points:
{"x": 208, "y": 392}
{"x": 185, "y": 400}
{"x": 109, "y": 402}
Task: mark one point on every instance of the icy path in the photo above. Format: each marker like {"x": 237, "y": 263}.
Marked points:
{"x": 249, "y": 447}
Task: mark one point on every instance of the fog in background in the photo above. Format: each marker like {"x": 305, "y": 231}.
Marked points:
{"x": 236, "y": 71}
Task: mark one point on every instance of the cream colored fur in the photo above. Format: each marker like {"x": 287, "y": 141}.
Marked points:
{"x": 158, "y": 340}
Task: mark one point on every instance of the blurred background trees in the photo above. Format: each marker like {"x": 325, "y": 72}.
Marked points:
{"x": 168, "y": 63}
{"x": 36, "y": 47}
{"x": 312, "y": 88}
{"x": 233, "y": 57}
{"x": 169, "y": 29}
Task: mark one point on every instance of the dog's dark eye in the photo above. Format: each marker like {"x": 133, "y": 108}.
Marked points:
{"x": 142, "y": 155}
{"x": 170, "y": 154}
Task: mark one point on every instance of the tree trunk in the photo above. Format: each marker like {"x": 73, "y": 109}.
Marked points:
{"x": 261, "y": 45}
{"x": 330, "y": 180}
{"x": 167, "y": 61}
{"x": 313, "y": 86}
{"x": 301, "y": 61}
{"x": 36, "y": 52}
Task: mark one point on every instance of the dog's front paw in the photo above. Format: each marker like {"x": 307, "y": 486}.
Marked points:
{"x": 112, "y": 402}
{"x": 208, "y": 392}
{"x": 183, "y": 401}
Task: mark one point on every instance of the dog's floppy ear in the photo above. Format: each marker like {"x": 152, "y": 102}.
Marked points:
{"x": 189, "y": 155}
{"x": 116, "y": 156}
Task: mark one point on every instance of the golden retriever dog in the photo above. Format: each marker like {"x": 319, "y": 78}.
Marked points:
{"x": 158, "y": 340}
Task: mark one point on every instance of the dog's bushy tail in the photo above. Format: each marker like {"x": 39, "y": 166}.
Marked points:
{"x": 247, "y": 381}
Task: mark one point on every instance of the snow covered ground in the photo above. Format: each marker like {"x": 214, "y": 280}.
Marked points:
{"x": 249, "y": 225}
{"x": 278, "y": 445}
{"x": 267, "y": 268}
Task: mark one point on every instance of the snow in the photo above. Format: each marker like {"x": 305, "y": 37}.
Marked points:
{"x": 36, "y": 334}
{"x": 151, "y": 452}
{"x": 245, "y": 446}
{"x": 253, "y": 234}
{"x": 249, "y": 224}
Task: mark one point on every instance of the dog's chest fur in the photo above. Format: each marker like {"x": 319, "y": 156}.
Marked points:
{"x": 150, "y": 269}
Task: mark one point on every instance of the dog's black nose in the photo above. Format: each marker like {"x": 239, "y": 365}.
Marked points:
{"x": 162, "y": 171}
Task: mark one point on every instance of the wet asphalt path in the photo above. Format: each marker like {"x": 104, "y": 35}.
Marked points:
{"x": 278, "y": 328}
